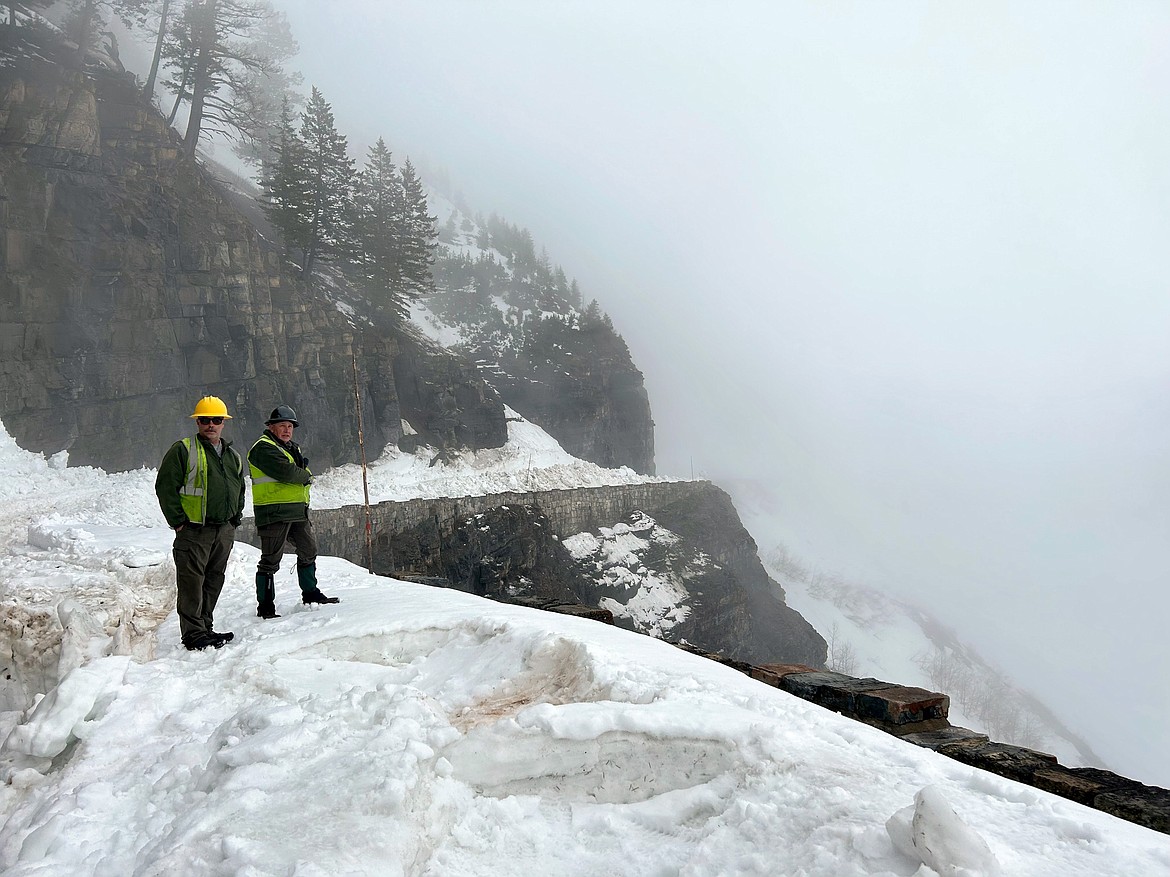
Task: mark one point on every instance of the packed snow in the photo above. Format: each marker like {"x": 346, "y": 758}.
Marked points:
{"x": 654, "y": 602}
{"x": 411, "y": 730}
{"x": 531, "y": 460}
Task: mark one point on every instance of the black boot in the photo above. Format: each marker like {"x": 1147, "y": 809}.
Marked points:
{"x": 201, "y": 641}
{"x": 307, "y": 577}
{"x": 266, "y": 595}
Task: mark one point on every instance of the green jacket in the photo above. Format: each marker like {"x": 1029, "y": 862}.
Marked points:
{"x": 224, "y": 488}
{"x": 272, "y": 459}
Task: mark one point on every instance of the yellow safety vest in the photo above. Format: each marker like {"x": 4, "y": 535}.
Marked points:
{"x": 193, "y": 493}
{"x": 266, "y": 490}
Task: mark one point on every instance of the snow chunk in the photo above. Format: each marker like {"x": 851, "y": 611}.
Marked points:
{"x": 58, "y": 718}
{"x": 932, "y": 833}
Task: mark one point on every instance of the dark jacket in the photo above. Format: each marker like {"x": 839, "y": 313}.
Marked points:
{"x": 276, "y": 465}
{"x": 225, "y": 484}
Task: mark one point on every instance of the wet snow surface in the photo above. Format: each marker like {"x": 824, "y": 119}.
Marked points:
{"x": 416, "y": 731}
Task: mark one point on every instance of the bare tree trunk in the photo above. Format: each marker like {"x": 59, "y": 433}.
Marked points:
{"x": 204, "y": 46}
{"x": 85, "y": 32}
{"x": 148, "y": 89}
{"x": 179, "y": 96}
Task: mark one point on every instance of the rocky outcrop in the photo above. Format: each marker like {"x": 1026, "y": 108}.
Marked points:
{"x": 510, "y": 545}
{"x": 777, "y": 632}
{"x": 445, "y": 400}
{"x": 131, "y": 286}
{"x": 502, "y": 553}
{"x": 582, "y": 387}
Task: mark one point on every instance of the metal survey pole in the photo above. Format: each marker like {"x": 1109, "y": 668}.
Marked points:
{"x": 357, "y": 401}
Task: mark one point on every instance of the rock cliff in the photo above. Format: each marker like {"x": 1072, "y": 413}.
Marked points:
{"x": 131, "y": 286}
{"x": 696, "y": 579}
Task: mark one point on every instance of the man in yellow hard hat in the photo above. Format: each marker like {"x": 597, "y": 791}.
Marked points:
{"x": 200, "y": 489}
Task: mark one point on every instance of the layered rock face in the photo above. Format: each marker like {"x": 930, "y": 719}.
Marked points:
{"x": 583, "y": 389}
{"x": 509, "y": 546}
{"x": 131, "y": 287}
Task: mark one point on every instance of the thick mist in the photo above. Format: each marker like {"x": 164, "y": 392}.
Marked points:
{"x": 896, "y": 273}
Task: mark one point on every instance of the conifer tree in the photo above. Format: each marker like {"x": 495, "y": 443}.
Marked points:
{"x": 417, "y": 239}
{"x": 220, "y": 53}
{"x": 329, "y": 178}
{"x": 284, "y": 183}
{"x": 378, "y": 209}
{"x": 163, "y": 12}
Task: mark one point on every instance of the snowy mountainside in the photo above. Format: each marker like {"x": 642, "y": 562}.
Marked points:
{"x": 500, "y": 304}
{"x": 872, "y": 634}
{"x": 412, "y": 730}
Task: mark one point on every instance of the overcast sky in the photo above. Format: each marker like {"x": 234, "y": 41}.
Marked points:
{"x": 905, "y": 263}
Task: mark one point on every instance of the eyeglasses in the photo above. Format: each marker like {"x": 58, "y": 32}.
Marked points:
{"x": 203, "y": 421}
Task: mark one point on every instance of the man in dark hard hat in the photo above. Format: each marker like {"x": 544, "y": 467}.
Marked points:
{"x": 200, "y": 489}
{"x": 280, "y": 495}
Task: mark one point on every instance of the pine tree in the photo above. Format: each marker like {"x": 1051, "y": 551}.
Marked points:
{"x": 284, "y": 182}
{"x": 163, "y": 12}
{"x": 222, "y": 54}
{"x": 417, "y": 239}
{"x": 378, "y": 208}
{"x": 329, "y": 181}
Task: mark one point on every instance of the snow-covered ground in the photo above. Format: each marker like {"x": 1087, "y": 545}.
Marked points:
{"x": 410, "y": 730}
{"x": 531, "y": 460}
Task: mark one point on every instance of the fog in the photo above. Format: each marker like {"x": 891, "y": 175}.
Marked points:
{"x": 905, "y": 263}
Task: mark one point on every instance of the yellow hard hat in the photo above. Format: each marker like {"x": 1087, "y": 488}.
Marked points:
{"x": 211, "y": 406}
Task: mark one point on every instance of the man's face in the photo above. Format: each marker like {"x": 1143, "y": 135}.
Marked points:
{"x": 210, "y": 428}
{"x": 282, "y": 429}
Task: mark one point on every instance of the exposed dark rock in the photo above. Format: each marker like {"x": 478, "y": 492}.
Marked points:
{"x": 505, "y": 552}
{"x": 776, "y": 632}
{"x": 130, "y": 286}
{"x": 663, "y": 585}
{"x": 730, "y": 597}
{"x": 445, "y": 400}
{"x": 581, "y": 386}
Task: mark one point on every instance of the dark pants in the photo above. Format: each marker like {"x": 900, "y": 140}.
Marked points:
{"x": 273, "y": 538}
{"x": 201, "y": 556}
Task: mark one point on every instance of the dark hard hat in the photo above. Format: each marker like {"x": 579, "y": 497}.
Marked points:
{"x": 281, "y": 413}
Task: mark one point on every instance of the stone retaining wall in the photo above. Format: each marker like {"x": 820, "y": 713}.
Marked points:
{"x": 342, "y": 532}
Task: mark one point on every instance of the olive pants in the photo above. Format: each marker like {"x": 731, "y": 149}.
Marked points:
{"x": 201, "y": 556}
{"x": 273, "y": 538}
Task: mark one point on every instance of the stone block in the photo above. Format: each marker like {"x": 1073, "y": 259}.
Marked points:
{"x": 1013, "y": 762}
{"x": 593, "y": 613}
{"x": 1067, "y": 783}
{"x": 14, "y": 252}
{"x": 936, "y": 739}
{"x": 1146, "y": 805}
{"x": 901, "y": 705}
{"x": 871, "y": 700}
{"x": 11, "y": 340}
{"x": 773, "y": 674}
